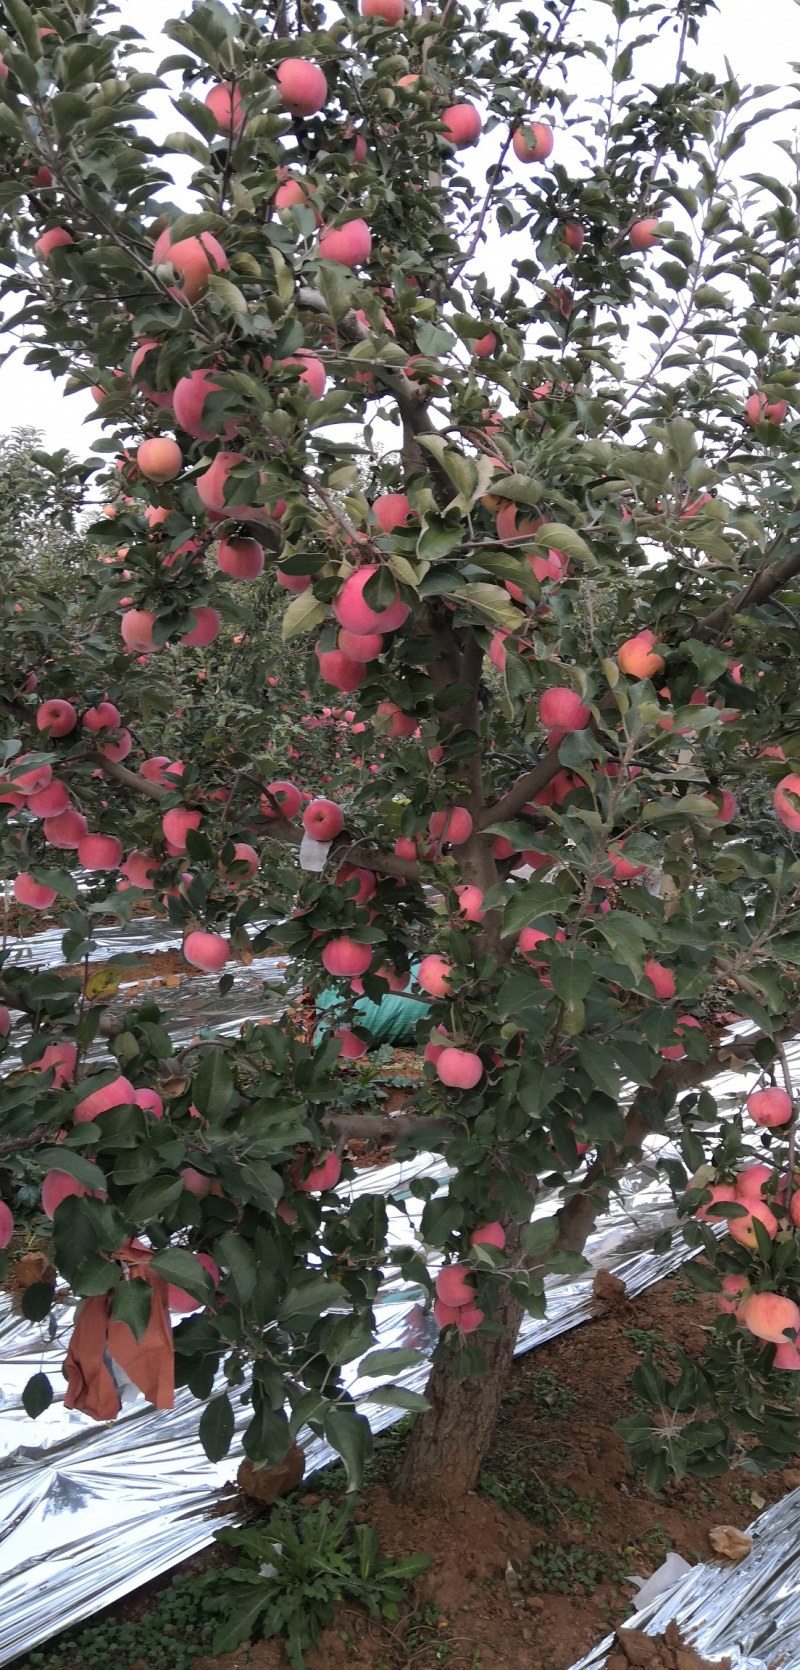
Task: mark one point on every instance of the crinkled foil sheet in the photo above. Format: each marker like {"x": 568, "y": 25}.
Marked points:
{"x": 89, "y": 1512}
{"x": 748, "y": 1613}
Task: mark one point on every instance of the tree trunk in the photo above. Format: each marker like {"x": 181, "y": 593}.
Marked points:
{"x": 447, "y": 1446}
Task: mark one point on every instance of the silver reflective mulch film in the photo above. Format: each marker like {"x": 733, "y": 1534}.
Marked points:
{"x": 748, "y": 1613}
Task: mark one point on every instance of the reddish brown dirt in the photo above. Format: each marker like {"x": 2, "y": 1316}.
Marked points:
{"x": 529, "y": 1573}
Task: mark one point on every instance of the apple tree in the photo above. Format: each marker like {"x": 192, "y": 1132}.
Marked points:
{"x": 445, "y": 380}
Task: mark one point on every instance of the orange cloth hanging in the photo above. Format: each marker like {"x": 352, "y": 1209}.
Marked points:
{"x": 98, "y": 1337}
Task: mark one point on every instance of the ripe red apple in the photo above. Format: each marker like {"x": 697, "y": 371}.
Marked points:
{"x": 461, "y": 1069}
{"x": 360, "y": 646}
{"x": 470, "y": 902}
{"x": 752, "y": 1181}
{"x": 117, "y": 747}
{"x": 294, "y": 193}
{"x": 337, "y": 669}
{"x": 786, "y": 801}
{"x": 405, "y": 848}
{"x": 31, "y": 782}
{"x": 345, "y": 957}
{"x": 489, "y": 1235}
{"x": 208, "y": 952}
{"x": 5, "y": 1021}
{"x": 770, "y": 1107}
{"x": 742, "y": 1229}
{"x": 645, "y": 233}
{"x": 758, "y": 409}
{"x": 484, "y": 346}
{"x": 196, "y": 1182}
{"x": 63, "y": 1058}
{"x": 113, "y": 1095}
{"x": 100, "y": 852}
{"x": 455, "y": 1285}
{"x": 205, "y": 629}
{"x": 161, "y": 769}
{"x": 58, "y": 1186}
{"x": 289, "y": 800}
{"x": 57, "y": 717}
{"x": 50, "y": 801}
{"x": 350, "y": 244}
{"x": 104, "y": 717}
{"x": 533, "y": 141}
{"x": 182, "y": 1302}
{"x": 574, "y": 236}
{"x": 353, "y": 1047}
{"x": 563, "y": 709}
{"x": 243, "y": 559}
{"x": 176, "y": 823}
{"x": 389, "y": 11}
{"x": 768, "y": 1315}
{"x": 312, "y": 373}
{"x": 189, "y": 400}
{"x": 193, "y": 259}
{"x": 734, "y": 1290}
{"x": 452, "y": 827}
{"x": 468, "y": 1318}
{"x": 225, "y": 105}
{"x": 302, "y": 86}
{"x": 139, "y": 868}
{"x": 6, "y": 1224}
{"x": 56, "y": 238}
{"x": 149, "y": 1101}
{"x": 66, "y": 830}
{"x": 787, "y": 1357}
{"x": 323, "y": 819}
{"x": 292, "y": 582}
{"x": 29, "y": 892}
{"x": 462, "y": 125}
{"x": 355, "y": 614}
{"x": 433, "y": 975}
{"x": 636, "y": 657}
{"x": 661, "y": 979}
{"x": 399, "y": 723}
{"x": 320, "y": 1177}
{"x": 160, "y": 459}
{"x": 391, "y": 510}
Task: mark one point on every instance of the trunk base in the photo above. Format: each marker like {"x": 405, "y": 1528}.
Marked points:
{"x": 448, "y": 1444}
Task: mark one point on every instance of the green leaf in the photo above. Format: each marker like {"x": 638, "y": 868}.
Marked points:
{"x": 571, "y": 975}
{"x": 239, "y": 1259}
{"x": 559, "y": 537}
{"x": 399, "y": 1397}
{"x": 530, "y": 901}
{"x": 303, "y": 614}
{"x": 538, "y": 1236}
{"x": 336, "y": 288}
{"x": 182, "y": 1269}
{"x": 597, "y": 1062}
{"x": 349, "y": 1435}
{"x": 433, "y": 341}
{"x": 68, "y": 1160}
{"x": 212, "y": 1086}
{"x": 241, "y": 1622}
{"x": 37, "y": 1301}
{"x": 391, "y": 1361}
{"x": 133, "y": 1303}
{"x": 37, "y": 1395}
{"x": 268, "y": 1437}
{"x": 217, "y": 1427}
{"x": 23, "y": 21}
{"x": 492, "y": 601}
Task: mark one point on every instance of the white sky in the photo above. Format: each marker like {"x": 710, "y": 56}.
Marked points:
{"x": 761, "y": 41}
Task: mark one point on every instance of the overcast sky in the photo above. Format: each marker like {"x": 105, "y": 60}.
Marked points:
{"x": 761, "y": 41}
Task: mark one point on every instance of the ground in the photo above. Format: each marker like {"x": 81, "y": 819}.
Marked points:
{"x": 531, "y": 1571}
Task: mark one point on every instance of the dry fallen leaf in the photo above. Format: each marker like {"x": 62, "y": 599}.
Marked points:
{"x": 729, "y": 1542}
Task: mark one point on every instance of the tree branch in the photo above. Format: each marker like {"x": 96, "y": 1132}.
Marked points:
{"x": 384, "y": 1127}
{"x": 521, "y": 792}
{"x": 130, "y": 779}
{"x": 766, "y": 581}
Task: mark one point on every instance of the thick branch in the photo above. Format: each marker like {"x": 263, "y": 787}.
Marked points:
{"x": 385, "y": 1127}
{"x": 130, "y": 779}
{"x": 768, "y": 580}
{"x": 522, "y": 791}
